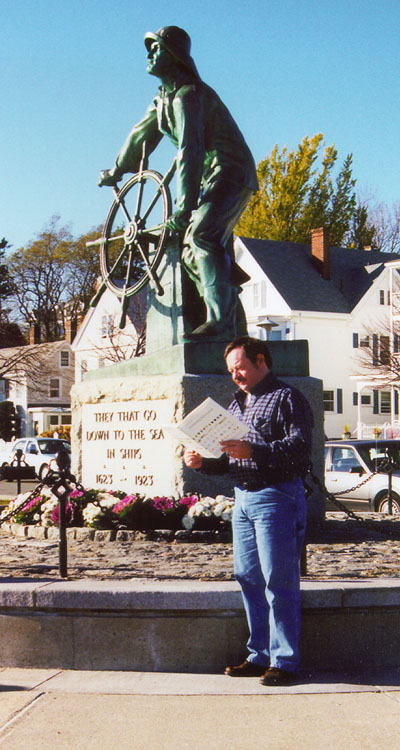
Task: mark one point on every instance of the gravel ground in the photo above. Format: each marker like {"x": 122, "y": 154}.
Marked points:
{"x": 343, "y": 550}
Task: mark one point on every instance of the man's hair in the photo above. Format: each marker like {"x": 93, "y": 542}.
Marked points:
{"x": 251, "y": 347}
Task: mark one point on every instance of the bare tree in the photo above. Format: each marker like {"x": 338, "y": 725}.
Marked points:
{"x": 378, "y": 351}
{"x": 120, "y": 345}
{"x": 30, "y": 365}
{"x": 387, "y": 226}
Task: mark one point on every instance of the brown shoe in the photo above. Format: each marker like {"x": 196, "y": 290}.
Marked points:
{"x": 274, "y": 676}
{"x": 247, "y": 669}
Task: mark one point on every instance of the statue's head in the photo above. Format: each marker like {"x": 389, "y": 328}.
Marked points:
{"x": 176, "y": 42}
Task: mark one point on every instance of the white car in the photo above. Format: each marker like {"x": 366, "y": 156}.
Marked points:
{"x": 40, "y": 453}
{"x": 349, "y": 462}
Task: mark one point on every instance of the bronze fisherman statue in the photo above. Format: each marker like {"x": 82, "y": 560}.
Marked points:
{"x": 216, "y": 176}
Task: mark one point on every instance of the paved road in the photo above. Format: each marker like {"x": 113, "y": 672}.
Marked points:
{"x": 9, "y": 489}
{"x": 46, "y": 709}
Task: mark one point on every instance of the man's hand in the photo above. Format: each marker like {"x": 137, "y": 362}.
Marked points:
{"x": 179, "y": 221}
{"x": 109, "y": 177}
{"x": 192, "y": 459}
{"x": 237, "y": 448}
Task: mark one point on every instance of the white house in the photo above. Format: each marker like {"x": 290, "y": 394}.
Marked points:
{"x": 337, "y": 299}
{"x": 37, "y": 378}
{"x": 100, "y": 342}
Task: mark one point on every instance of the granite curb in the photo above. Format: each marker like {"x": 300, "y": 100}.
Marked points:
{"x": 145, "y": 594}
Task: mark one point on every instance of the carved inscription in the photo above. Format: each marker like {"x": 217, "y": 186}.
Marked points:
{"x": 124, "y": 447}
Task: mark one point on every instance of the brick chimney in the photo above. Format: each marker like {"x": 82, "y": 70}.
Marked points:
{"x": 34, "y": 333}
{"x": 320, "y": 251}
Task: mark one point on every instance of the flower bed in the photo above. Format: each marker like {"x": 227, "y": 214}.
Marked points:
{"x": 117, "y": 510}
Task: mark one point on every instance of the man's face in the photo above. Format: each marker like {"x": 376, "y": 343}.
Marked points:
{"x": 160, "y": 61}
{"x": 244, "y": 372}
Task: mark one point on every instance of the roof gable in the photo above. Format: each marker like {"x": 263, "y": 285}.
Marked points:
{"x": 289, "y": 266}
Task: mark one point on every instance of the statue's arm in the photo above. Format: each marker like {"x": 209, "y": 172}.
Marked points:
{"x": 128, "y": 159}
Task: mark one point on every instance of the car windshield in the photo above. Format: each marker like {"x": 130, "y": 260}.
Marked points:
{"x": 53, "y": 446}
{"x": 376, "y": 456}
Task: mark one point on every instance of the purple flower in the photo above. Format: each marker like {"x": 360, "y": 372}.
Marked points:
{"x": 163, "y": 503}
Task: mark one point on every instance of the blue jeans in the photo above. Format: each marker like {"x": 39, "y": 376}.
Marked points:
{"x": 268, "y": 536}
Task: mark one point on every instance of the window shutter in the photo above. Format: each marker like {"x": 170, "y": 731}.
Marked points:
{"x": 355, "y": 340}
{"x": 375, "y": 408}
{"x": 339, "y": 401}
{"x": 375, "y": 349}
{"x": 355, "y": 398}
{"x": 396, "y": 401}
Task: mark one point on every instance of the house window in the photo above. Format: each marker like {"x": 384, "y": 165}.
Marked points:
{"x": 54, "y": 390}
{"x": 365, "y": 399}
{"x": 64, "y": 358}
{"x": 66, "y": 419}
{"x": 259, "y": 294}
{"x": 329, "y": 400}
{"x": 364, "y": 341}
{"x": 107, "y": 325}
{"x": 384, "y": 350}
{"x": 5, "y": 388}
{"x": 380, "y": 350}
{"x": 385, "y": 402}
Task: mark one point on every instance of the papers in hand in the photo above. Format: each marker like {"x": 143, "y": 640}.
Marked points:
{"x": 205, "y": 427}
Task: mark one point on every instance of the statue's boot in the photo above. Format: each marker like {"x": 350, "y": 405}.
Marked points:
{"x": 220, "y": 325}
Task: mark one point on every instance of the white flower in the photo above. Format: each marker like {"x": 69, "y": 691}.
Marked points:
{"x": 46, "y": 492}
{"x": 227, "y": 514}
{"x": 188, "y": 522}
{"x": 223, "y": 498}
{"x": 50, "y": 504}
{"x": 46, "y": 518}
{"x": 219, "y": 509}
{"x": 106, "y": 500}
{"x": 92, "y": 513}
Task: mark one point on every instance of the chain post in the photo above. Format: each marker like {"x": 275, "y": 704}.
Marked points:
{"x": 390, "y": 496}
{"x": 18, "y": 456}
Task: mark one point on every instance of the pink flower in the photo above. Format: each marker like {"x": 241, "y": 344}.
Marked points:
{"x": 189, "y": 500}
{"x": 124, "y": 504}
{"x": 69, "y": 513}
{"x": 76, "y": 493}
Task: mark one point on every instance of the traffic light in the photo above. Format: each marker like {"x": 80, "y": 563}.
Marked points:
{"x": 15, "y": 423}
{"x": 10, "y": 422}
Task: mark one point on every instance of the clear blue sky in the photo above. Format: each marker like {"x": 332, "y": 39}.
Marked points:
{"x": 74, "y": 81}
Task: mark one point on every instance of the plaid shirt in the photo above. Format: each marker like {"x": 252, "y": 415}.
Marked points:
{"x": 280, "y": 424}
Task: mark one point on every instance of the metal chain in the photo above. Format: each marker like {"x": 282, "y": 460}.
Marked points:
{"x": 333, "y": 499}
{"x": 24, "y": 503}
{"x": 50, "y": 480}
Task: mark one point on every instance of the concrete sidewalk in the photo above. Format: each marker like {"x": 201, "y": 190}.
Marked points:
{"x": 54, "y": 709}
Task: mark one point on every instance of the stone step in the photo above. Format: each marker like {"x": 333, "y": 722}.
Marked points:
{"x": 184, "y": 626}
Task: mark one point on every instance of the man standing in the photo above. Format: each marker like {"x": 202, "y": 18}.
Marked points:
{"x": 269, "y": 516}
{"x": 216, "y": 175}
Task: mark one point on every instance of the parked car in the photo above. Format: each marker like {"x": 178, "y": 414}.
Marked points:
{"x": 350, "y": 462}
{"x": 38, "y": 452}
